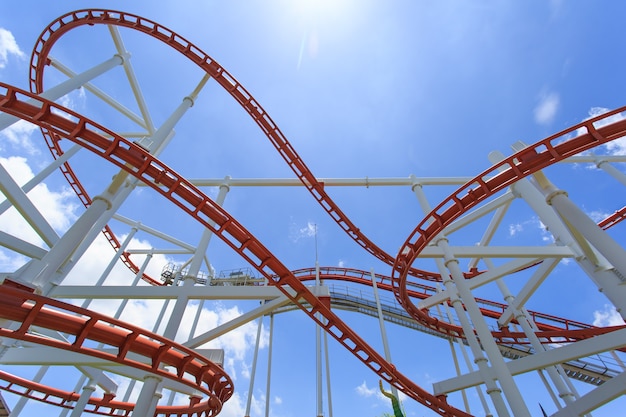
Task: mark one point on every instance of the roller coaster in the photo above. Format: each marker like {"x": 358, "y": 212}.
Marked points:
{"x": 50, "y": 322}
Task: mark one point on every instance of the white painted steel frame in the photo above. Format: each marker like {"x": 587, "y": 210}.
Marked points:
{"x": 48, "y": 267}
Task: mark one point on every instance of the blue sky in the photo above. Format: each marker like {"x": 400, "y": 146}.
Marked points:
{"x": 360, "y": 89}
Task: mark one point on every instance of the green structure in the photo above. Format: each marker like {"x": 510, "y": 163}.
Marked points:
{"x": 397, "y": 411}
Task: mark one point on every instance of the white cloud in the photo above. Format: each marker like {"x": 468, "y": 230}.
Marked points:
{"x": 73, "y": 100}
{"x": 8, "y": 46}
{"x": 597, "y": 215}
{"x": 615, "y": 147}
{"x": 547, "y": 108}
{"x": 60, "y": 211}
{"x": 278, "y": 400}
{"x": 515, "y": 229}
{"x": 18, "y": 135}
{"x": 297, "y": 232}
{"x": 364, "y": 391}
{"x": 341, "y": 263}
{"x": 607, "y": 317}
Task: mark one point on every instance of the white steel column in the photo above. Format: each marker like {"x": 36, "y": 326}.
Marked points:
{"x": 328, "y": 390}
{"x": 318, "y": 348}
{"x": 196, "y": 262}
{"x": 579, "y": 222}
{"x": 254, "y": 363}
{"x": 501, "y": 372}
{"x": 523, "y": 319}
{"x": 40, "y": 273}
{"x": 43, "y": 174}
{"x": 70, "y": 85}
{"x": 269, "y": 367}
{"x": 200, "y": 251}
{"x": 611, "y": 170}
{"x": 467, "y": 302}
{"x": 383, "y": 332}
{"x": 79, "y": 407}
{"x": 143, "y": 407}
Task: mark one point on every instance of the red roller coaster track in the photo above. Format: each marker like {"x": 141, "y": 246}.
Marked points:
{"x": 59, "y": 123}
{"x": 143, "y": 166}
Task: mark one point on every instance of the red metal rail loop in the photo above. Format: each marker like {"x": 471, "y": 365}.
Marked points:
{"x": 84, "y": 329}
{"x": 182, "y": 193}
{"x": 542, "y": 154}
{"x": 63, "y": 24}
{"x": 145, "y": 167}
{"x": 552, "y": 329}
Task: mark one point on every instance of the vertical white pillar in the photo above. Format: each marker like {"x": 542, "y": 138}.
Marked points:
{"x": 383, "y": 331}
{"x": 464, "y": 304}
{"x": 328, "y": 390}
{"x": 40, "y": 273}
{"x": 269, "y": 367}
{"x": 147, "y": 396}
{"x": 253, "y": 371}
{"x": 523, "y": 319}
{"x": 196, "y": 262}
{"x": 581, "y": 224}
{"x": 88, "y": 391}
{"x": 500, "y": 370}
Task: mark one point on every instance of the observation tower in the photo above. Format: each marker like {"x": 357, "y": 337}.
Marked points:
{"x": 113, "y": 308}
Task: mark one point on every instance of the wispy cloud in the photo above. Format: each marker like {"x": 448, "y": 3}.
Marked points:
{"x": 364, "y": 391}
{"x": 517, "y": 228}
{"x": 597, "y": 215}
{"x": 547, "y": 108}
{"x": 60, "y": 209}
{"x": 615, "y": 147}
{"x": 607, "y": 317}
{"x": 18, "y": 135}
{"x": 8, "y": 46}
{"x": 297, "y": 232}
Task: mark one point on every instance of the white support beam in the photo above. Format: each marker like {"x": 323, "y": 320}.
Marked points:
{"x": 30, "y": 213}
{"x": 328, "y": 182}
{"x": 20, "y": 246}
{"x": 601, "y": 395}
{"x": 102, "y": 95}
{"x": 529, "y": 289}
{"x": 154, "y": 232}
{"x": 536, "y": 252}
{"x": 237, "y": 322}
{"x": 471, "y": 217}
{"x": 581, "y": 349}
{"x": 194, "y": 292}
{"x": 482, "y": 279}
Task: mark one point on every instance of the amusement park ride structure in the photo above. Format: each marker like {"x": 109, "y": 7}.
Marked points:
{"x": 48, "y": 322}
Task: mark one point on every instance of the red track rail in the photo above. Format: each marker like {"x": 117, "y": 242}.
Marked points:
{"x": 65, "y": 23}
{"x": 84, "y": 329}
{"x": 145, "y": 167}
{"x": 520, "y": 165}
{"x": 613, "y": 219}
{"x": 553, "y": 329}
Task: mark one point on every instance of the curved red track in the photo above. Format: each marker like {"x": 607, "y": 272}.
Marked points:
{"x": 143, "y": 166}
{"x": 65, "y": 23}
{"x": 532, "y": 159}
{"x": 148, "y": 169}
{"x": 82, "y": 327}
